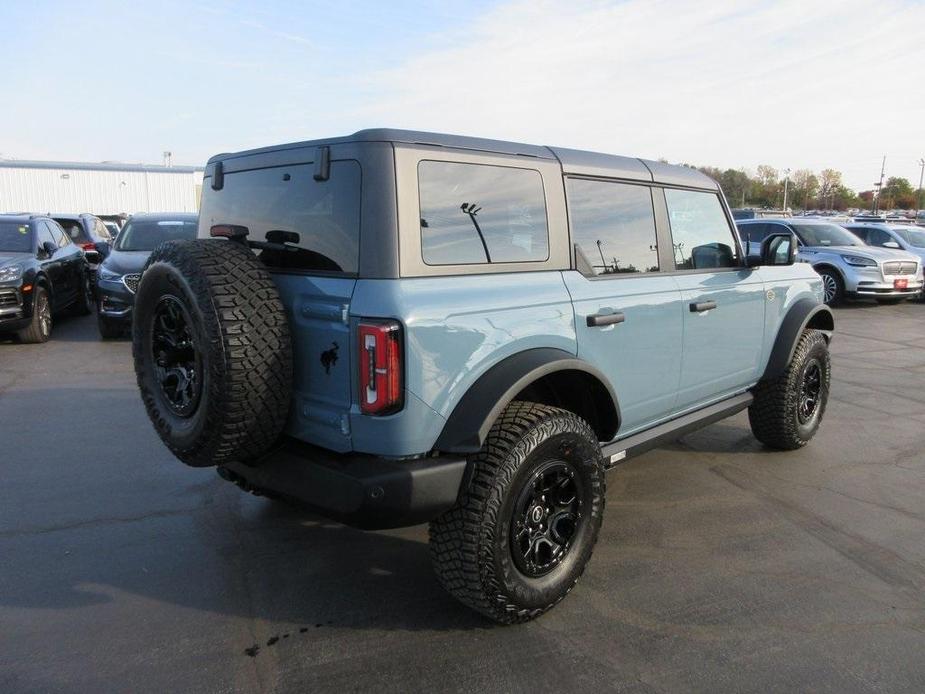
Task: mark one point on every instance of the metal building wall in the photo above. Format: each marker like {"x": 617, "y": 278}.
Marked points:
{"x": 24, "y": 189}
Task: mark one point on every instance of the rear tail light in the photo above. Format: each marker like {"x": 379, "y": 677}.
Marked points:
{"x": 88, "y": 246}
{"x": 380, "y": 361}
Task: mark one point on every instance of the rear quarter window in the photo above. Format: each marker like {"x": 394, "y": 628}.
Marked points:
{"x": 480, "y": 214}
{"x": 75, "y": 231}
{"x": 324, "y": 214}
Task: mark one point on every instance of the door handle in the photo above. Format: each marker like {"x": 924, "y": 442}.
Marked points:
{"x": 599, "y": 320}
{"x": 701, "y": 306}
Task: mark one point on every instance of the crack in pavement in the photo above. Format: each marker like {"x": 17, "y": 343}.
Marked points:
{"x": 93, "y": 522}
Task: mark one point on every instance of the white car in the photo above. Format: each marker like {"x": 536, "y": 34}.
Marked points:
{"x": 848, "y": 266}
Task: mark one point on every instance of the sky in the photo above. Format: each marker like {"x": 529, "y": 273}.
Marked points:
{"x": 792, "y": 84}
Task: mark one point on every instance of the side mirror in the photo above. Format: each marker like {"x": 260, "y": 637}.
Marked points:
{"x": 891, "y": 244}
{"x": 49, "y": 248}
{"x": 93, "y": 257}
{"x": 779, "y": 249}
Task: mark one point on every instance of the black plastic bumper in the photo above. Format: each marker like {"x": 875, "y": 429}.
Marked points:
{"x": 360, "y": 490}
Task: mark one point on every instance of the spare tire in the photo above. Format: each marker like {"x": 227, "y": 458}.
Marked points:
{"x": 212, "y": 351}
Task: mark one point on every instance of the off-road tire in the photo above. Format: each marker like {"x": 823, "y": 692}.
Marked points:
{"x": 34, "y": 333}
{"x": 470, "y": 544}
{"x": 241, "y": 334}
{"x": 774, "y": 414}
{"x": 829, "y": 275}
{"x": 109, "y": 330}
{"x": 83, "y": 304}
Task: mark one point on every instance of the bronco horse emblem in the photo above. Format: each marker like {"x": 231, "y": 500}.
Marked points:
{"x": 329, "y": 357}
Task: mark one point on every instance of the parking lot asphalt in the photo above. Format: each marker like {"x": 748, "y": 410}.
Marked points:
{"x": 721, "y": 567}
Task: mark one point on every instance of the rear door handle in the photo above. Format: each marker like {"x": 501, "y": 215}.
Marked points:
{"x": 599, "y": 320}
{"x": 701, "y": 306}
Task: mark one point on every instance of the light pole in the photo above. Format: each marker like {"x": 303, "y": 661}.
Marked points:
{"x": 786, "y": 182}
{"x": 919, "y": 196}
{"x": 879, "y": 187}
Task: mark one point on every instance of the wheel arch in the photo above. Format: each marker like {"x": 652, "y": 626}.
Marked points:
{"x": 826, "y": 265}
{"x": 546, "y": 375}
{"x": 805, "y": 314}
{"x": 40, "y": 279}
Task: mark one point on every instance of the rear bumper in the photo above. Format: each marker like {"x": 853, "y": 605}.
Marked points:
{"x": 360, "y": 490}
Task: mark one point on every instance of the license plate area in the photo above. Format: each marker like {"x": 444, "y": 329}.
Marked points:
{"x": 900, "y": 284}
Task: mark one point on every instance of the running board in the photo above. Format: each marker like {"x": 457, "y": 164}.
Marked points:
{"x": 622, "y": 450}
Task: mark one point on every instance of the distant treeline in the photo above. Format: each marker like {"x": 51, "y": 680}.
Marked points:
{"x": 806, "y": 190}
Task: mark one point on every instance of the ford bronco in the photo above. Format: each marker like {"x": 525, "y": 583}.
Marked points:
{"x": 400, "y": 327}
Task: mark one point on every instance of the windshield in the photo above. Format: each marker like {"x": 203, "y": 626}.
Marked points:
{"x": 825, "y": 235}
{"x": 914, "y": 237}
{"x": 15, "y": 237}
{"x": 148, "y": 234}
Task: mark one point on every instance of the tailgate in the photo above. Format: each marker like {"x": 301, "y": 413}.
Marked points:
{"x": 322, "y": 387}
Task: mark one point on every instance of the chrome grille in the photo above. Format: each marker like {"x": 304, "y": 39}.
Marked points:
{"x": 131, "y": 282}
{"x": 900, "y": 267}
{"x": 8, "y": 297}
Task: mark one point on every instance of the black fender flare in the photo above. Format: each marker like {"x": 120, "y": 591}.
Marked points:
{"x": 805, "y": 313}
{"x": 467, "y": 427}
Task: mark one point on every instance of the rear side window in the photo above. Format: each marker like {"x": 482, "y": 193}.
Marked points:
{"x": 614, "y": 226}
{"x": 269, "y": 202}
{"x": 101, "y": 231}
{"x": 700, "y": 231}
{"x": 476, "y": 213}
{"x": 74, "y": 230}
{"x": 58, "y": 234}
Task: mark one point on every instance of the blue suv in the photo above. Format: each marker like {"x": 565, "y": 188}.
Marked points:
{"x": 402, "y": 327}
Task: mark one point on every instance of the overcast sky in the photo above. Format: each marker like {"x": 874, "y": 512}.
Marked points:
{"x": 798, "y": 84}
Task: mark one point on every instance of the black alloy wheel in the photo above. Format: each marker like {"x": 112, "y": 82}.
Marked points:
{"x": 810, "y": 389}
{"x": 546, "y": 518}
{"x": 177, "y": 363}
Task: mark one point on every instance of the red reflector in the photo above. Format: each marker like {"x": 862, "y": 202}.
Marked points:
{"x": 900, "y": 284}
{"x": 380, "y": 367}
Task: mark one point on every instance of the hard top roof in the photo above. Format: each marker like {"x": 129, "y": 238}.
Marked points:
{"x": 20, "y": 217}
{"x": 164, "y": 216}
{"x": 69, "y": 215}
{"x": 573, "y": 161}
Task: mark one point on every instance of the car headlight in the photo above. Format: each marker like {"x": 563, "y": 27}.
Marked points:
{"x": 11, "y": 272}
{"x": 107, "y": 274}
{"x": 859, "y": 261}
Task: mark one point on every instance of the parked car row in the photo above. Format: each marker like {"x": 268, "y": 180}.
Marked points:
{"x": 55, "y": 262}
{"x": 855, "y": 260}
{"x": 49, "y": 263}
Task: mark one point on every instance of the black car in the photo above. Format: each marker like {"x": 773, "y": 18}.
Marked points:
{"x": 87, "y": 231}
{"x": 119, "y": 273}
{"x": 42, "y": 272}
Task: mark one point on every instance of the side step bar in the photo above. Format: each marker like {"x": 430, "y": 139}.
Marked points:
{"x": 624, "y": 449}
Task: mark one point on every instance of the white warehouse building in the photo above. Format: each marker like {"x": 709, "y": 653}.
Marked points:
{"x": 102, "y": 189}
